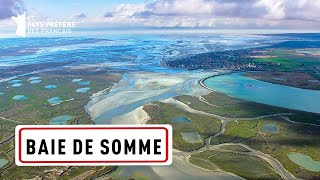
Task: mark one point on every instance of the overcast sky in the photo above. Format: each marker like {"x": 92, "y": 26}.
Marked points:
{"x": 224, "y": 14}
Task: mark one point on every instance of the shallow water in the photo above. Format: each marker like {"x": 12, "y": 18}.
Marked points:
{"x": 82, "y": 90}
{"x": 3, "y": 162}
{"x": 54, "y": 100}
{"x": 14, "y": 81}
{"x": 305, "y": 161}
{"x": 20, "y": 97}
{"x": 60, "y": 120}
{"x": 16, "y": 85}
{"x": 51, "y": 87}
{"x": 266, "y": 93}
{"x": 84, "y": 83}
{"x": 181, "y": 119}
{"x": 76, "y": 80}
{"x": 35, "y": 81}
{"x": 270, "y": 128}
{"x": 34, "y": 78}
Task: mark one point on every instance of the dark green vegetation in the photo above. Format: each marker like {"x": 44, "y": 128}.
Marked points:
{"x": 162, "y": 113}
{"x": 225, "y": 106}
{"x": 294, "y": 79}
{"x": 291, "y": 137}
{"x": 296, "y": 138}
{"x": 241, "y": 164}
{"x": 37, "y": 110}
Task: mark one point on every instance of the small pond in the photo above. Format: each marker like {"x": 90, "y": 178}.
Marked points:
{"x": 270, "y": 128}
{"x": 305, "y": 161}
{"x": 54, "y": 100}
{"x": 82, "y": 90}
{"x": 51, "y": 87}
{"x": 181, "y": 120}
{"x": 60, "y": 120}
{"x": 20, "y": 97}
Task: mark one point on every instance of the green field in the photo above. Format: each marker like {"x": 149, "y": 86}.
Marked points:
{"x": 37, "y": 110}
{"x": 246, "y": 166}
{"x": 162, "y": 113}
{"x": 291, "y": 138}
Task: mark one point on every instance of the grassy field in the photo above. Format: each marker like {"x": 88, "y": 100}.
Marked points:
{"x": 226, "y": 106}
{"x": 162, "y": 113}
{"x": 37, "y": 110}
{"x": 294, "y": 79}
{"x": 303, "y": 139}
{"x": 246, "y": 166}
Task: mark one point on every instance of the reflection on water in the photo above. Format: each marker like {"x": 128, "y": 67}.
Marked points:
{"x": 266, "y": 93}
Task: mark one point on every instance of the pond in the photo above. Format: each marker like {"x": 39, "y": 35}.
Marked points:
{"x": 236, "y": 85}
{"x": 14, "y": 81}
{"x": 16, "y": 85}
{"x": 305, "y": 161}
{"x": 84, "y": 83}
{"x": 181, "y": 120}
{"x": 34, "y": 78}
{"x": 76, "y": 80}
{"x": 60, "y": 120}
{"x": 82, "y": 90}
{"x": 270, "y": 128}
{"x": 20, "y": 97}
{"x": 51, "y": 87}
{"x": 35, "y": 81}
{"x": 54, "y": 100}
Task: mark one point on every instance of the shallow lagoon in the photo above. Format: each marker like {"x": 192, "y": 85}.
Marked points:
{"x": 60, "y": 120}
{"x": 82, "y": 90}
{"x": 266, "y": 93}
{"x": 305, "y": 161}
{"x": 20, "y": 97}
{"x": 3, "y": 162}
{"x": 51, "y": 87}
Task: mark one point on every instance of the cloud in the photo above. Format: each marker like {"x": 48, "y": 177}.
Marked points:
{"x": 9, "y": 8}
{"x": 80, "y": 16}
{"x": 219, "y": 13}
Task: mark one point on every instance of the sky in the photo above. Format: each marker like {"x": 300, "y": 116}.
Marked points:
{"x": 218, "y": 14}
